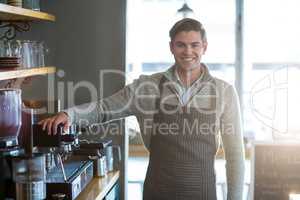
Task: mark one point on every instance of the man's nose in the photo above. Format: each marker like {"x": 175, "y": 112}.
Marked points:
{"x": 188, "y": 49}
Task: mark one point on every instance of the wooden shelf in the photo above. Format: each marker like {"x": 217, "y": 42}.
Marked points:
{"x": 12, "y": 13}
{"x": 25, "y": 72}
{"x": 99, "y": 187}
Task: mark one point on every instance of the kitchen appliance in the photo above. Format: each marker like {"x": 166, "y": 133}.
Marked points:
{"x": 29, "y": 175}
{"x": 69, "y": 180}
{"x": 95, "y": 151}
{"x": 10, "y": 117}
{"x": 35, "y": 165}
{"x": 10, "y": 123}
{"x": 70, "y": 163}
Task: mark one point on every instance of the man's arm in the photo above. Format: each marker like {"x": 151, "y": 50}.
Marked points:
{"x": 118, "y": 105}
{"x": 134, "y": 99}
{"x": 232, "y": 140}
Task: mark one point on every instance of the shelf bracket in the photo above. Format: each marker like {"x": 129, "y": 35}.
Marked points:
{"x": 11, "y": 28}
{"x": 14, "y": 83}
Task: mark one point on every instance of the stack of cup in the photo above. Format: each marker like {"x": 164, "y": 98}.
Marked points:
{"x": 10, "y": 56}
{"x": 30, "y": 53}
{"x": 17, "y": 3}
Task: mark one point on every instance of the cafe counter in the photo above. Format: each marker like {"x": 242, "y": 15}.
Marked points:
{"x": 106, "y": 187}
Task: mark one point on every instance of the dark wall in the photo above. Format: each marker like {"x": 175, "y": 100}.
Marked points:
{"x": 86, "y": 38}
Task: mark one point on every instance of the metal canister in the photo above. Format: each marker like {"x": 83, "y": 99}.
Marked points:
{"x": 29, "y": 174}
{"x": 100, "y": 168}
{"x": 31, "y": 190}
{"x": 113, "y": 157}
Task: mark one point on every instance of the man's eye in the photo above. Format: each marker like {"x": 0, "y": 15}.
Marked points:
{"x": 180, "y": 45}
{"x": 195, "y": 45}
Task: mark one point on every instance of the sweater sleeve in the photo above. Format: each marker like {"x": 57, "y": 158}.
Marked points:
{"x": 232, "y": 140}
{"x": 131, "y": 100}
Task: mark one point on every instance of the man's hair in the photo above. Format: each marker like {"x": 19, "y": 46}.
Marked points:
{"x": 187, "y": 24}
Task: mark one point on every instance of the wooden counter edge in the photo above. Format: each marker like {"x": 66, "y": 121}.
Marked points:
{"x": 98, "y": 188}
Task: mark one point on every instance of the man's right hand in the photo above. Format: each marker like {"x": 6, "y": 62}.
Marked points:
{"x": 51, "y": 123}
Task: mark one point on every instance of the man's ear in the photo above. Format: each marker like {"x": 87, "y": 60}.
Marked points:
{"x": 204, "y": 47}
{"x": 171, "y": 46}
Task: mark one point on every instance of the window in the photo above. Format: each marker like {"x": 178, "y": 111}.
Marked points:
{"x": 271, "y": 69}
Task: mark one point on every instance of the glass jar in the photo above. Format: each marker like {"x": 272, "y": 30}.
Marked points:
{"x": 10, "y": 113}
{"x": 32, "y": 4}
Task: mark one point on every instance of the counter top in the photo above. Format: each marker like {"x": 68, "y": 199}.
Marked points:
{"x": 99, "y": 187}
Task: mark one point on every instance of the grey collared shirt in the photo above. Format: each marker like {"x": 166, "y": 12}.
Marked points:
{"x": 184, "y": 93}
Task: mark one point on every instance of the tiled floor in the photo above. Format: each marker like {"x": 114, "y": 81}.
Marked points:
{"x": 137, "y": 167}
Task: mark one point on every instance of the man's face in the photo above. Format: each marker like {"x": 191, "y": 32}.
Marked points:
{"x": 188, "y": 48}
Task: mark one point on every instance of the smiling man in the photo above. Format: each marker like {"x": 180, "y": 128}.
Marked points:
{"x": 183, "y": 115}
{"x": 188, "y": 47}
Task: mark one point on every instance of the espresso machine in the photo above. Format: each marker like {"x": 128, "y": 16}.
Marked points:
{"x": 67, "y": 174}
{"x": 22, "y": 174}
{"x": 35, "y": 165}
{"x": 70, "y": 163}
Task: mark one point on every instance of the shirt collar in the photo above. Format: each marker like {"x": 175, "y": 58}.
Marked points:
{"x": 171, "y": 74}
